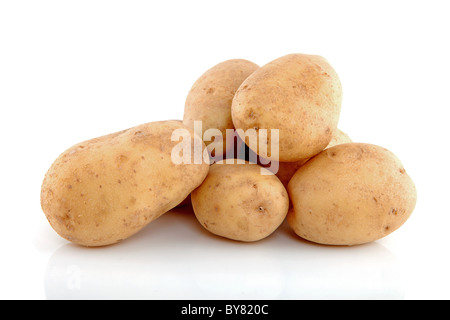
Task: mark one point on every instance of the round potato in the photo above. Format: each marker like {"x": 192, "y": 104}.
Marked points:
{"x": 240, "y": 201}
{"x": 104, "y": 190}
{"x": 350, "y": 194}
{"x": 209, "y": 101}
{"x": 298, "y": 94}
{"x": 287, "y": 169}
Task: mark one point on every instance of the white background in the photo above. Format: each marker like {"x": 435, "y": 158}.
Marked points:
{"x": 74, "y": 70}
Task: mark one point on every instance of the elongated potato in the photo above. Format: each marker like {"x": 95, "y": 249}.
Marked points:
{"x": 350, "y": 194}
{"x": 104, "y": 190}
{"x": 237, "y": 202}
{"x": 298, "y": 94}
{"x": 209, "y": 100}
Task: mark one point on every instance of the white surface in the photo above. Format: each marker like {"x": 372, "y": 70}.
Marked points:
{"x": 74, "y": 70}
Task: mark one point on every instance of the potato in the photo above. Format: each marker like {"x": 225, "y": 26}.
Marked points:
{"x": 237, "y": 202}
{"x": 287, "y": 169}
{"x": 298, "y": 94}
{"x": 104, "y": 190}
{"x": 350, "y": 194}
{"x": 339, "y": 137}
{"x": 209, "y": 100}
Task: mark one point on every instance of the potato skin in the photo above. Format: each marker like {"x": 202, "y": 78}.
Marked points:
{"x": 209, "y": 99}
{"x": 104, "y": 190}
{"x": 298, "y": 94}
{"x": 339, "y": 137}
{"x": 350, "y": 194}
{"x": 287, "y": 169}
{"x": 235, "y": 201}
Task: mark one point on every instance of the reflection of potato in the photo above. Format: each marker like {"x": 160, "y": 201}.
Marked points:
{"x": 104, "y": 190}
{"x": 209, "y": 99}
{"x": 350, "y": 194}
{"x": 236, "y": 201}
{"x": 287, "y": 169}
{"x": 298, "y": 94}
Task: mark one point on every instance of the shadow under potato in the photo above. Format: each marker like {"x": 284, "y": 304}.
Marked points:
{"x": 176, "y": 258}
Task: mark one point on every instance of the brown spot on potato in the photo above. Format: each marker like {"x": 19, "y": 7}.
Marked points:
{"x": 242, "y": 224}
{"x": 121, "y": 160}
{"x": 65, "y": 221}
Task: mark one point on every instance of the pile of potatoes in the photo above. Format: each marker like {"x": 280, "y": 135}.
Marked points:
{"x": 331, "y": 190}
